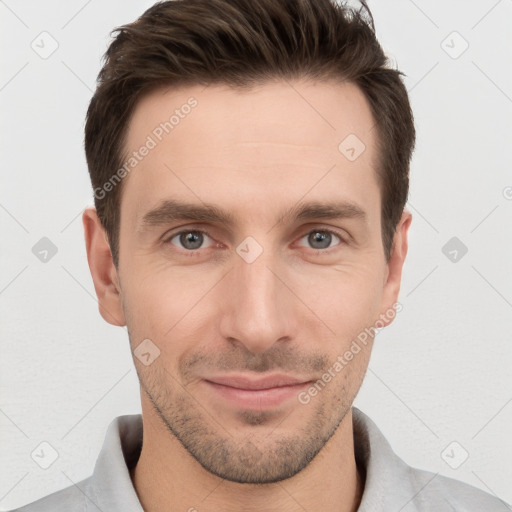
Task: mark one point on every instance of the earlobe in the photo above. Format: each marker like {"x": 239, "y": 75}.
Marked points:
{"x": 395, "y": 264}
{"x": 103, "y": 270}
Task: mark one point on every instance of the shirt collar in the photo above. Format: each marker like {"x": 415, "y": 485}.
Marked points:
{"x": 111, "y": 488}
{"x": 110, "y": 485}
{"x": 388, "y": 482}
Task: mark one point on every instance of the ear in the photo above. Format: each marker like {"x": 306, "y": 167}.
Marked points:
{"x": 103, "y": 271}
{"x": 393, "y": 276}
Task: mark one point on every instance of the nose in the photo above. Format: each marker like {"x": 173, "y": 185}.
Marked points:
{"x": 258, "y": 310}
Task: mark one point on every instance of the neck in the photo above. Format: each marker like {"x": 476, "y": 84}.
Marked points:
{"x": 167, "y": 477}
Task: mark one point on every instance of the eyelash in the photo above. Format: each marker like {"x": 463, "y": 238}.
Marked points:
{"x": 194, "y": 252}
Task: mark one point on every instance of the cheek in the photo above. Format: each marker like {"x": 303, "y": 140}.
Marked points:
{"x": 347, "y": 297}
{"x": 181, "y": 307}
{"x": 168, "y": 305}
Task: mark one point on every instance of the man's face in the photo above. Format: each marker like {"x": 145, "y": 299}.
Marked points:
{"x": 268, "y": 294}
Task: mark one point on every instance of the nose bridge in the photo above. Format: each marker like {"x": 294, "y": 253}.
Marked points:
{"x": 255, "y": 313}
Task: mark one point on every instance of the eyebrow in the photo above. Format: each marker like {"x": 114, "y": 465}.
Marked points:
{"x": 172, "y": 210}
{"x": 324, "y": 210}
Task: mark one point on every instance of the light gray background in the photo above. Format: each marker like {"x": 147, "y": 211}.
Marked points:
{"x": 440, "y": 373}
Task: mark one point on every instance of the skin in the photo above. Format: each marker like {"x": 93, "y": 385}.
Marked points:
{"x": 256, "y": 154}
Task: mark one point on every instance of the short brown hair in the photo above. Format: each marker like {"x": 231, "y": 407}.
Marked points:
{"x": 242, "y": 43}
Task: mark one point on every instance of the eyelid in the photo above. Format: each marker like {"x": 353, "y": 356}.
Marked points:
{"x": 177, "y": 230}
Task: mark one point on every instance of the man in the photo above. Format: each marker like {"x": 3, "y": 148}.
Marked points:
{"x": 249, "y": 160}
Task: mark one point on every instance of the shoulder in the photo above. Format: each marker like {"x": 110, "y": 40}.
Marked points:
{"x": 109, "y": 487}
{"x": 70, "y": 499}
{"x": 435, "y": 492}
{"x": 391, "y": 484}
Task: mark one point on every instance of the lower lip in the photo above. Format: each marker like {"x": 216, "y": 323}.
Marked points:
{"x": 257, "y": 399}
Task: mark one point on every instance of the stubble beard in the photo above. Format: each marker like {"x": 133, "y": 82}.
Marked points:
{"x": 262, "y": 455}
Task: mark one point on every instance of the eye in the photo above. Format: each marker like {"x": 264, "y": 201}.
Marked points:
{"x": 190, "y": 240}
{"x": 322, "y": 238}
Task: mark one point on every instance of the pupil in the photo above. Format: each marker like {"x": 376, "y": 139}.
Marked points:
{"x": 191, "y": 240}
{"x": 323, "y": 238}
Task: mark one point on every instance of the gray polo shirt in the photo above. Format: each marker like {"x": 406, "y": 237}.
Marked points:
{"x": 390, "y": 484}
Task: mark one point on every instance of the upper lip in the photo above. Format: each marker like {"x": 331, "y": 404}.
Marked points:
{"x": 267, "y": 382}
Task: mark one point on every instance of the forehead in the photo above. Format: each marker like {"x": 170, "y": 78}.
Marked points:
{"x": 220, "y": 144}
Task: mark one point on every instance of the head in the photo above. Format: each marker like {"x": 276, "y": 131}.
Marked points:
{"x": 250, "y": 164}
